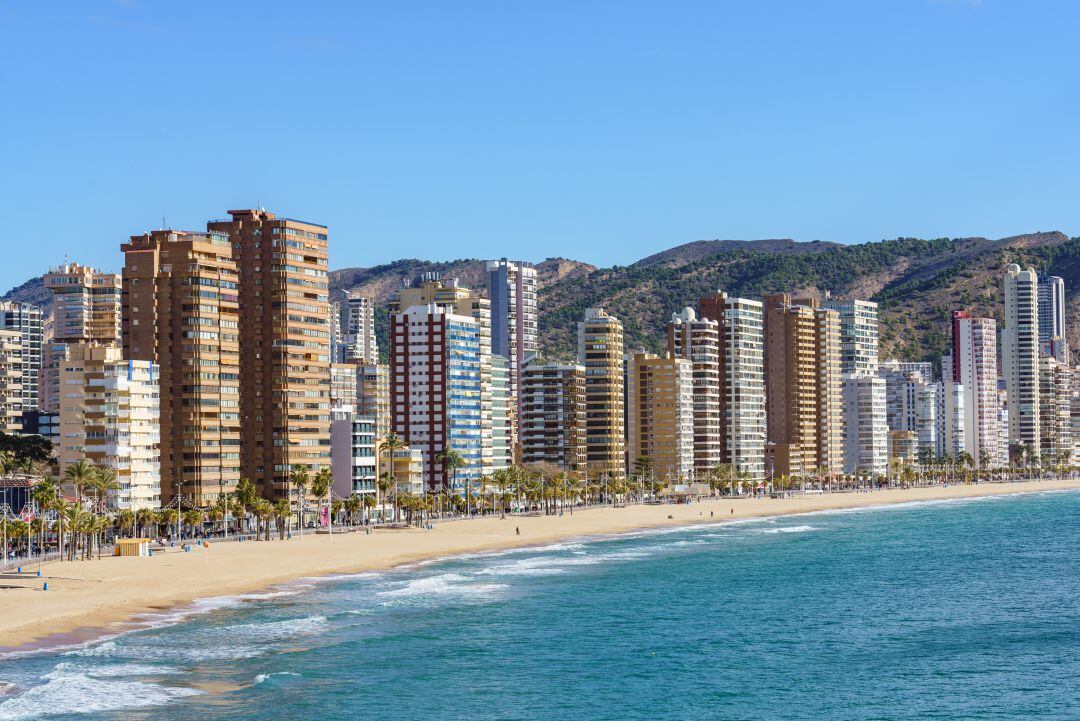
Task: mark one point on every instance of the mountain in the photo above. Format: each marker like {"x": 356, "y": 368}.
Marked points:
{"x": 917, "y": 283}
{"x": 700, "y": 249}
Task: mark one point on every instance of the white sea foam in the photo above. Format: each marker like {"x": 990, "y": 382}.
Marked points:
{"x": 267, "y": 676}
{"x": 441, "y": 586}
{"x": 70, "y": 691}
{"x": 790, "y": 529}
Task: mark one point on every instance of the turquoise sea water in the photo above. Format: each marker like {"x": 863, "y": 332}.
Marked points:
{"x": 949, "y": 610}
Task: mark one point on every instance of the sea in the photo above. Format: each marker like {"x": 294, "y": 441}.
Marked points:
{"x": 961, "y": 609}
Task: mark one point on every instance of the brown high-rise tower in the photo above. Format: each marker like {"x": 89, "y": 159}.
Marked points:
{"x": 284, "y": 344}
{"x": 179, "y": 309}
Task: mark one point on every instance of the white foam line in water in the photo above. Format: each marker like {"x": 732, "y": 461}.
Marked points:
{"x": 267, "y": 676}
{"x": 790, "y": 529}
{"x": 445, "y": 584}
{"x": 71, "y": 691}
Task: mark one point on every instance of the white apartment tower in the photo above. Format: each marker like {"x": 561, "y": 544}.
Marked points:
{"x": 1020, "y": 355}
{"x": 110, "y": 416}
{"x": 511, "y": 287}
{"x": 974, "y": 366}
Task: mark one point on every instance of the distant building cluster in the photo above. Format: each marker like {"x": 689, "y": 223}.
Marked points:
{"x": 221, "y": 354}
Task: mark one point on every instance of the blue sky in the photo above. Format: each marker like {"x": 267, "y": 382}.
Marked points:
{"x": 602, "y": 131}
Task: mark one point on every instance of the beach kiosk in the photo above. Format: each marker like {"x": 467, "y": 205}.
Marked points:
{"x": 132, "y": 547}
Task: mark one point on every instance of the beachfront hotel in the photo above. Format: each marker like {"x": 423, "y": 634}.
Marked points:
{"x": 600, "y": 351}
{"x": 110, "y": 417}
{"x": 180, "y": 310}
{"x": 86, "y": 307}
{"x": 284, "y": 344}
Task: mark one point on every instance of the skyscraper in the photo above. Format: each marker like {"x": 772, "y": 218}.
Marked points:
{"x": 436, "y": 389}
{"x": 552, "y": 424}
{"x": 974, "y": 366}
{"x": 660, "y": 415}
{"x": 86, "y": 309}
{"x": 357, "y": 321}
{"x": 503, "y": 414}
{"x": 1055, "y": 399}
{"x": 600, "y": 350}
{"x": 1052, "y": 316}
{"x": 1020, "y": 356}
{"x": 284, "y": 344}
{"x": 512, "y": 289}
{"x": 858, "y": 334}
{"x": 27, "y": 320}
{"x": 866, "y": 443}
{"x": 698, "y": 341}
{"x": 180, "y": 311}
{"x": 803, "y": 386}
{"x": 742, "y": 380}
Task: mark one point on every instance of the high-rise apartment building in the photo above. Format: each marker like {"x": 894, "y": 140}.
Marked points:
{"x": 1020, "y": 356}
{"x": 85, "y": 309}
{"x": 284, "y": 344}
{"x": 1055, "y": 420}
{"x": 512, "y": 289}
{"x": 110, "y": 417}
{"x": 437, "y": 390}
{"x": 803, "y": 386}
{"x": 974, "y": 365}
{"x": 27, "y": 320}
{"x": 698, "y": 341}
{"x": 742, "y": 380}
{"x": 356, "y": 319}
{"x": 858, "y": 334}
{"x": 179, "y": 310}
{"x": 11, "y": 380}
{"x": 866, "y": 442}
{"x": 600, "y": 350}
{"x": 660, "y": 416}
{"x": 344, "y": 385}
{"x": 353, "y": 452}
{"x": 503, "y": 414}
{"x": 1051, "y": 299}
{"x": 552, "y": 424}
{"x": 373, "y": 395}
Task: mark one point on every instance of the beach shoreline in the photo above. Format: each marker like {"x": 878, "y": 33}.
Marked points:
{"x": 88, "y": 600}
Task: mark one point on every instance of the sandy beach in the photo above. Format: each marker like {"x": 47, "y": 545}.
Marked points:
{"x": 91, "y": 598}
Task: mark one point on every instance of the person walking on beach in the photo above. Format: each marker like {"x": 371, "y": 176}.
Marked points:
{"x": 517, "y": 530}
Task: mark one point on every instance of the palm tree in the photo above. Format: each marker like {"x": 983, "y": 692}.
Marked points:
{"x": 282, "y": 516}
{"x": 391, "y": 445}
{"x": 383, "y": 486}
{"x": 263, "y": 511}
{"x": 453, "y": 462}
{"x": 145, "y": 518}
{"x": 45, "y": 494}
{"x": 124, "y": 521}
{"x": 245, "y": 497}
{"x": 369, "y": 504}
{"x": 104, "y": 480}
{"x": 320, "y": 488}
{"x": 299, "y": 479}
{"x": 80, "y": 475}
{"x": 194, "y": 518}
{"x": 352, "y": 505}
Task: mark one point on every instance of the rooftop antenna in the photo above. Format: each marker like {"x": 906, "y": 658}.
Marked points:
{"x": 163, "y": 220}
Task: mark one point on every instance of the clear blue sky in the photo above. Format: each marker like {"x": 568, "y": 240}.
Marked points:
{"x": 602, "y": 131}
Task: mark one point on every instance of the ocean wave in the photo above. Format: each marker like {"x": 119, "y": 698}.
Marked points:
{"x": 442, "y": 586}
{"x": 267, "y": 676}
{"x": 70, "y": 691}
{"x": 791, "y": 529}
